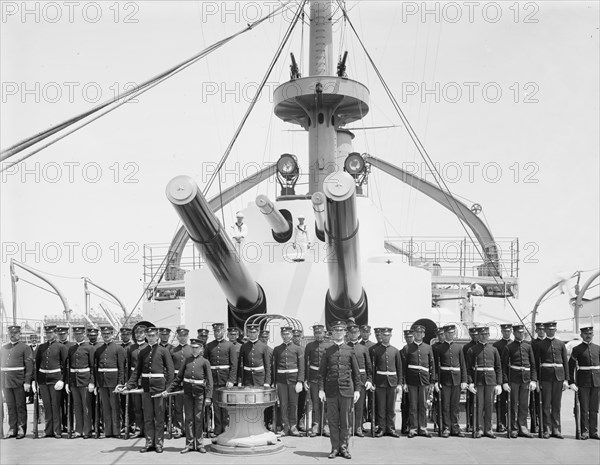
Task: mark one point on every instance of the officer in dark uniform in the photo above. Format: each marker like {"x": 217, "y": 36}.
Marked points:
{"x": 50, "y": 375}
{"x": 196, "y": 377}
{"x": 366, "y": 376}
{"x": 223, "y": 359}
{"x": 180, "y": 353}
{"x": 288, "y": 371}
{"x": 473, "y": 334}
{"x": 313, "y": 354}
{"x": 133, "y": 352}
{"x": 387, "y": 369}
{"x": 109, "y": 363}
{"x": 233, "y": 334}
{"x": 264, "y": 338}
{"x": 519, "y": 376}
{"x": 439, "y": 338}
{"x": 339, "y": 384}
{"x": 584, "y": 373}
{"x": 419, "y": 373}
{"x": 534, "y": 398}
{"x": 92, "y": 335}
{"x": 16, "y": 362}
{"x": 502, "y": 400}
{"x": 365, "y": 334}
{"x": 125, "y": 336}
{"x": 155, "y": 368}
{"x": 164, "y": 334}
{"x": 254, "y": 368}
{"x": 203, "y": 336}
{"x": 452, "y": 378}
{"x": 554, "y": 367}
{"x": 80, "y": 362}
{"x": 484, "y": 373}
{"x": 297, "y": 339}
{"x": 409, "y": 337}
{"x": 63, "y": 338}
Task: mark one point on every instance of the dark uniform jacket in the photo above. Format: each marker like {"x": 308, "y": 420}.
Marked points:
{"x": 552, "y": 356}
{"x": 451, "y": 367}
{"x": 367, "y": 344}
{"x": 313, "y": 353}
{"x": 180, "y": 354}
{"x": 288, "y": 357}
{"x": 155, "y": 369}
{"x": 196, "y": 377}
{"x": 80, "y": 361}
{"x": 51, "y": 363}
{"x": 254, "y": 368}
{"x": 585, "y": 355}
{"x": 483, "y": 365}
{"x": 223, "y": 359}
{"x": 16, "y": 361}
{"x": 518, "y": 357}
{"x": 418, "y": 365}
{"x": 364, "y": 362}
{"x": 387, "y": 365}
{"x": 109, "y": 363}
{"x": 133, "y": 353}
{"x": 500, "y": 344}
{"x": 338, "y": 371}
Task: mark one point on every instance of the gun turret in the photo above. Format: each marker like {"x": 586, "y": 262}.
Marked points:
{"x": 346, "y": 297}
{"x": 244, "y": 296}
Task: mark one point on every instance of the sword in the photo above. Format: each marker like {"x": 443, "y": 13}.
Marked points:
{"x": 576, "y": 408}
{"x": 168, "y": 394}
{"x": 69, "y": 422}
{"x": 509, "y": 406}
{"x": 36, "y": 412}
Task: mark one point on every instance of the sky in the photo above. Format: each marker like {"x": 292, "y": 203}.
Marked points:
{"x": 503, "y": 95}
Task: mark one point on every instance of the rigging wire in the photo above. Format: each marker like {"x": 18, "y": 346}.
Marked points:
{"x": 38, "y": 286}
{"x": 125, "y": 96}
{"x": 255, "y": 99}
{"x": 425, "y": 155}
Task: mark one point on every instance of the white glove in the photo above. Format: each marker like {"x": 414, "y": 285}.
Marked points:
{"x": 574, "y": 387}
{"x": 164, "y": 393}
{"x": 322, "y": 396}
{"x": 239, "y": 384}
{"x": 34, "y": 386}
{"x": 498, "y": 390}
{"x": 436, "y": 386}
{"x": 306, "y": 387}
{"x": 299, "y": 387}
{"x": 27, "y": 387}
{"x": 463, "y": 385}
{"x": 532, "y": 385}
{"x": 229, "y": 384}
{"x": 369, "y": 386}
{"x": 403, "y": 387}
{"x": 91, "y": 387}
{"x": 506, "y": 387}
{"x": 67, "y": 389}
{"x": 208, "y": 401}
{"x": 59, "y": 385}
{"x": 565, "y": 385}
{"x": 472, "y": 388}
{"x": 356, "y": 396}
{"x": 267, "y": 385}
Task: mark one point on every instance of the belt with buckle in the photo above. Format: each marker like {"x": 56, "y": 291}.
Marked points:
{"x": 260, "y": 368}
{"x": 291, "y": 370}
{"x": 79, "y": 370}
{"x": 418, "y": 367}
{"x": 590, "y": 368}
{"x": 153, "y": 375}
{"x": 108, "y": 370}
{"x": 13, "y": 369}
{"x": 56, "y": 370}
{"x": 387, "y": 373}
{"x": 552, "y": 365}
{"x": 514, "y": 367}
{"x": 484, "y": 369}
{"x": 220, "y": 367}
{"x": 450, "y": 368}
{"x": 193, "y": 381}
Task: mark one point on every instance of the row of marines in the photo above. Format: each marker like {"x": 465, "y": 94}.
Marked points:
{"x": 506, "y": 368}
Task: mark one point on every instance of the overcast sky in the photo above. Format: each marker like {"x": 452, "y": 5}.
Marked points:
{"x": 503, "y": 95}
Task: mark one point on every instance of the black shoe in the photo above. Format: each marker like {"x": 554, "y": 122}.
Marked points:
{"x": 458, "y": 434}
{"x": 58, "y": 436}
{"x": 334, "y": 453}
{"x": 490, "y": 435}
{"x": 478, "y": 434}
{"x": 583, "y": 437}
{"x": 359, "y": 433}
{"x": 85, "y": 436}
{"x": 379, "y": 434}
{"x": 159, "y": 449}
{"x": 21, "y": 435}
{"x": 513, "y": 435}
{"x": 501, "y": 429}
{"x": 558, "y": 436}
{"x": 186, "y": 449}
{"x": 595, "y": 436}
{"x": 344, "y": 453}
{"x": 445, "y": 433}
{"x": 392, "y": 433}
{"x": 525, "y": 435}
{"x": 201, "y": 449}
{"x": 411, "y": 434}
{"x": 546, "y": 435}
{"x": 146, "y": 449}
{"x": 326, "y": 431}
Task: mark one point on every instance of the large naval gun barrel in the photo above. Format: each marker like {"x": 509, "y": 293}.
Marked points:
{"x": 346, "y": 297}
{"x": 244, "y": 296}
{"x": 279, "y": 220}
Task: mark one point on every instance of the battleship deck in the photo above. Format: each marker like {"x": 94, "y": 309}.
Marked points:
{"x": 315, "y": 450}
